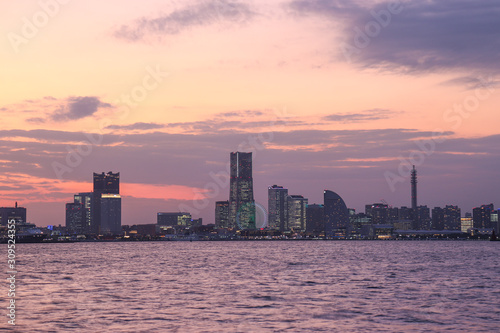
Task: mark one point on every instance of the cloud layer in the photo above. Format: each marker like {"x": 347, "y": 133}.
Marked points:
{"x": 62, "y": 110}
{"x": 202, "y": 13}
{"x": 423, "y": 36}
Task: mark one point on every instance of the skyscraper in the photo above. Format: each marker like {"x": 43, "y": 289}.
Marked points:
{"x": 296, "y": 220}
{"x": 277, "y": 207}
{"x": 241, "y": 200}
{"x": 106, "y": 216}
{"x": 111, "y": 210}
{"x": 74, "y": 217}
{"x": 79, "y": 214}
{"x": 97, "y": 212}
{"x": 222, "y": 214}
{"x": 336, "y": 214}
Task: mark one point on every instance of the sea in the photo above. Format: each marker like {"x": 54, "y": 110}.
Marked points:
{"x": 256, "y": 286}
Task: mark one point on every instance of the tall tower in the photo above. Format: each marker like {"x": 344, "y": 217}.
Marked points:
{"x": 414, "y": 189}
{"x": 241, "y": 201}
{"x": 277, "y": 207}
{"x": 414, "y": 206}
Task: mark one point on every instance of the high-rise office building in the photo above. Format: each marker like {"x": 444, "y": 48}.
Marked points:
{"x": 80, "y": 214}
{"x": 452, "y": 217}
{"x": 74, "y": 217}
{"x": 482, "y": 216}
{"x": 97, "y": 212}
{"x": 111, "y": 208}
{"x": 222, "y": 214}
{"x": 336, "y": 214}
{"x": 12, "y": 213}
{"x": 296, "y": 220}
{"x": 241, "y": 200}
{"x": 315, "y": 219}
{"x": 277, "y": 207}
{"x": 106, "y": 217}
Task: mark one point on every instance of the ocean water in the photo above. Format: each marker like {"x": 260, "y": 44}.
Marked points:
{"x": 258, "y": 286}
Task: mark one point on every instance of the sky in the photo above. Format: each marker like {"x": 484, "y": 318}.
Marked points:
{"x": 327, "y": 94}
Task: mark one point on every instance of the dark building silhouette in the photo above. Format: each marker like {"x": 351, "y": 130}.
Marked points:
{"x": 106, "y": 218}
{"x": 296, "y": 216}
{"x": 452, "y": 218}
{"x": 336, "y": 214}
{"x": 97, "y": 212}
{"x": 111, "y": 210}
{"x": 481, "y": 216}
{"x": 277, "y": 207}
{"x": 12, "y": 213}
{"x": 315, "y": 219}
{"x": 79, "y": 214}
{"x": 222, "y": 214}
{"x": 241, "y": 199}
{"x": 74, "y": 217}
{"x": 422, "y": 218}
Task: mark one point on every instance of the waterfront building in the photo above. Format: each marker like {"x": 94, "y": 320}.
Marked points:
{"x": 277, "y": 207}
{"x": 222, "y": 214}
{"x": 336, "y": 214}
{"x": 296, "y": 213}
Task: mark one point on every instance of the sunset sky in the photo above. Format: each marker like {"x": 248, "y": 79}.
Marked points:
{"x": 327, "y": 94}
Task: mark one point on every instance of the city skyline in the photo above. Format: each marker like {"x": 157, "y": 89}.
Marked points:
{"x": 343, "y": 96}
{"x": 110, "y": 189}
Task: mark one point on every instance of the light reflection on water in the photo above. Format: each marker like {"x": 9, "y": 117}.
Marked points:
{"x": 260, "y": 286}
